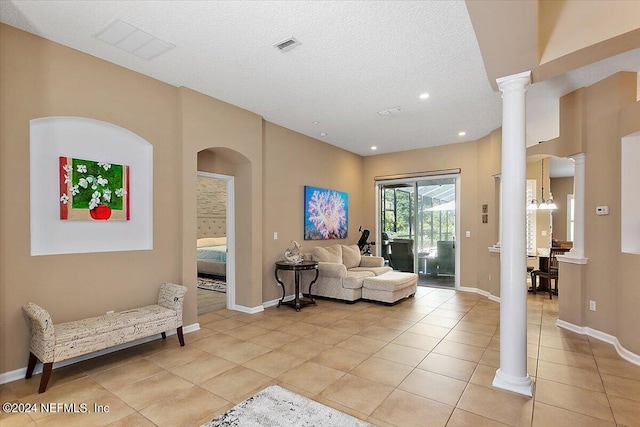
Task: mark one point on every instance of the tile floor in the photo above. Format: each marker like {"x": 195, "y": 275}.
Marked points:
{"x": 427, "y": 361}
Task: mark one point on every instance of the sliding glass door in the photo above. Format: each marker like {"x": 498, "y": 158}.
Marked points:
{"x": 418, "y": 228}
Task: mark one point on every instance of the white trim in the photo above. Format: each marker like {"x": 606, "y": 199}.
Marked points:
{"x": 494, "y": 249}
{"x": 274, "y": 302}
{"x": 480, "y": 292}
{"x": 249, "y": 310}
{"x": 231, "y": 239}
{"x": 571, "y": 259}
{"x": 602, "y": 336}
{"x": 18, "y": 374}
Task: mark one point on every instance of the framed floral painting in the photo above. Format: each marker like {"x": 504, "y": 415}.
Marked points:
{"x": 326, "y": 214}
{"x": 93, "y": 190}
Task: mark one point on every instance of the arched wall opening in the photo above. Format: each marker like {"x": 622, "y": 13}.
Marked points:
{"x": 225, "y": 161}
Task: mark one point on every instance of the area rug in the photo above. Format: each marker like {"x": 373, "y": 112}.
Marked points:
{"x": 211, "y": 284}
{"x": 277, "y": 407}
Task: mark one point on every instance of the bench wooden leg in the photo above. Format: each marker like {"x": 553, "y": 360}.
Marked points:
{"x": 46, "y": 374}
{"x": 31, "y": 365}
{"x": 180, "y": 336}
{"x": 164, "y": 335}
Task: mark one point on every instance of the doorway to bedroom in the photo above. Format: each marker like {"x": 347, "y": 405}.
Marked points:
{"x": 215, "y": 243}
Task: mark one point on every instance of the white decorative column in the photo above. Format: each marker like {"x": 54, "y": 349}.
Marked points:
{"x": 578, "y": 207}
{"x": 512, "y": 374}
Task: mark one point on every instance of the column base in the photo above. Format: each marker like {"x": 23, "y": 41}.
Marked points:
{"x": 521, "y": 385}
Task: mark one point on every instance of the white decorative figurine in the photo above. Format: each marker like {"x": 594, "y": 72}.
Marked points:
{"x": 293, "y": 254}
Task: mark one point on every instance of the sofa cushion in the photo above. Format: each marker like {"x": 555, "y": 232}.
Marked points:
{"x": 391, "y": 281}
{"x": 351, "y": 256}
{"x": 329, "y": 254}
{"x": 355, "y": 279}
{"x": 375, "y": 270}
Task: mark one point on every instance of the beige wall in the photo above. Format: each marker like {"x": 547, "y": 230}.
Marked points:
{"x": 52, "y": 80}
{"x": 236, "y": 138}
{"x": 291, "y": 161}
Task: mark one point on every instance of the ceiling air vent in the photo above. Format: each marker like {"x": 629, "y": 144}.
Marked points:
{"x": 287, "y": 45}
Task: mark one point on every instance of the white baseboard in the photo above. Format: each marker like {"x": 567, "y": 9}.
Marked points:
{"x": 481, "y": 292}
{"x": 248, "y": 310}
{"x": 274, "y": 302}
{"x": 602, "y": 336}
{"x": 20, "y": 373}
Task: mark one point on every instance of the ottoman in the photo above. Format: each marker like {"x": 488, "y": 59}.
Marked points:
{"x": 390, "y": 287}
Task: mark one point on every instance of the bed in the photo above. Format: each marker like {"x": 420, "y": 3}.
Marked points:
{"x": 212, "y": 256}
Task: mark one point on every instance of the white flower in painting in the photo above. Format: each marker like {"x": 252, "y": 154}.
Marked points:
{"x": 95, "y": 200}
{"x": 121, "y": 192}
{"x": 67, "y": 179}
{"x": 102, "y": 181}
{"x": 104, "y": 165}
{"x": 106, "y": 195}
{"x": 64, "y": 199}
{"x": 83, "y": 183}
{"x": 82, "y": 168}
{"x": 74, "y": 190}
{"x": 67, "y": 168}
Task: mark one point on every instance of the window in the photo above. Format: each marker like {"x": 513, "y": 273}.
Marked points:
{"x": 570, "y": 217}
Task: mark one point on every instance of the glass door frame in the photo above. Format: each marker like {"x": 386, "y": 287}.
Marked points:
{"x": 414, "y": 180}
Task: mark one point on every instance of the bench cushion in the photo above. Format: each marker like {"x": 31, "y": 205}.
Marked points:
{"x": 93, "y": 326}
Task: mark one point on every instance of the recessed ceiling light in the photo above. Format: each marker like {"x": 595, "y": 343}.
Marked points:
{"x": 373, "y": 147}
{"x": 315, "y": 122}
{"x": 424, "y": 95}
{"x": 323, "y": 134}
{"x": 462, "y": 133}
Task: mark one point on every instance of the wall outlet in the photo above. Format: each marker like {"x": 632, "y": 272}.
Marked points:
{"x": 602, "y": 210}
{"x": 468, "y": 233}
{"x": 275, "y": 235}
{"x": 110, "y": 312}
{"x": 592, "y": 305}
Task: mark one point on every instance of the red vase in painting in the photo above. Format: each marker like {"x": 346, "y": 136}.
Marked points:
{"x": 100, "y": 212}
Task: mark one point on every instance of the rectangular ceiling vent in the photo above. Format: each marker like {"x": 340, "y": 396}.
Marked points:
{"x": 287, "y": 45}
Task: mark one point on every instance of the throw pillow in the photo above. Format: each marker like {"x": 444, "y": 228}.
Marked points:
{"x": 328, "y": 254}
{"x": 351, "y": 256}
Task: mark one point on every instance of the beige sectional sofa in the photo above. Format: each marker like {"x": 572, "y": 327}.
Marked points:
{"x": 342, "y": 271}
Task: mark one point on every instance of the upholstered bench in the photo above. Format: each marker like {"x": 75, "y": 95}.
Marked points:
{"x": 390, "y": 287}
{"x": 51, "y": 344}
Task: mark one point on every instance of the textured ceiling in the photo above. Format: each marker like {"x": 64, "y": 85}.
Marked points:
{"x": 356, "y": 58}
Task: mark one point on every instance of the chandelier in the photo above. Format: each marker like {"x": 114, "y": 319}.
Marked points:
{"x": 549, "y": 205}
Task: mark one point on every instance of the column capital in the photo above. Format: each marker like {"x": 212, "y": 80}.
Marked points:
{"x": 514, "y": 82}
